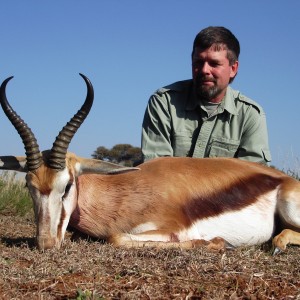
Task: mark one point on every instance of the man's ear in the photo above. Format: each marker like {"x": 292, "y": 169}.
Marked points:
{"x": 234, "y": 69}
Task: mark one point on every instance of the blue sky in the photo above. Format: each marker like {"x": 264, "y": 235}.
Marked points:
{"x": 130, "y": 48}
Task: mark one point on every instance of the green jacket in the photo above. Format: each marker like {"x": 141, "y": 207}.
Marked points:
{"x": 175, "y": 125}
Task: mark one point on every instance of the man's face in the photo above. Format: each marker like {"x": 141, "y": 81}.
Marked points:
{"x": 212, "y": 73}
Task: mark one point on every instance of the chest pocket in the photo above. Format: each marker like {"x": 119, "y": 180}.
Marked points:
{"x": 181, "y": 143}
{"x": 221, "y": 147}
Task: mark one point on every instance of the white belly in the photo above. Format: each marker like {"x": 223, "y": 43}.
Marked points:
{"x": 251, "y": 225}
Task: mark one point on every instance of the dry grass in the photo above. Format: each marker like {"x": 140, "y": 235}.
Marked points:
{"x": 85, "y": 269}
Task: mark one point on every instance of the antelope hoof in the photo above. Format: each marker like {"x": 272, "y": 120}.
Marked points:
{"x": 279, "y": 243}
{"x": 229, "y": 246}
{"x": 276, "y": 251}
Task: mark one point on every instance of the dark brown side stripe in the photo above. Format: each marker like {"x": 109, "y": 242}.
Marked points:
{"x": 238, "y": 195}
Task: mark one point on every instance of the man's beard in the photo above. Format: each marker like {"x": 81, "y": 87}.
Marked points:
{"x": 206, "y": 92}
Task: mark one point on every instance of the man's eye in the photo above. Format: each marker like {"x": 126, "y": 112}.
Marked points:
{"x": 215, "y": 63}
{"x": 197, "y": 64}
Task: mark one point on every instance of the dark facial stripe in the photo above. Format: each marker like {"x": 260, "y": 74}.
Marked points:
{"x": 232, "y": 198}
{"x": 59, "y": 228}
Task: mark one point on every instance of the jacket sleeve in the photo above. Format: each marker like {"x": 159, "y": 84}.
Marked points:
{"x": 156, "y": 129}
{"x": 254, "y": 144}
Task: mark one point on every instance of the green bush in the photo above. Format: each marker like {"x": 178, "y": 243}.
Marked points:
{"x": 14, "y": 196}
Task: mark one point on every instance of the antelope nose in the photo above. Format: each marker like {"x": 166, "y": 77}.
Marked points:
{"x": 44, "y": 243}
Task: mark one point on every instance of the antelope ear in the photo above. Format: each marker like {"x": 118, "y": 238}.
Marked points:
{"x": 13, "y": 163}
{"x": 102, "y": 167}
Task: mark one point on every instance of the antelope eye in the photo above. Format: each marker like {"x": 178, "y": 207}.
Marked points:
{"x": 68, "y": 187}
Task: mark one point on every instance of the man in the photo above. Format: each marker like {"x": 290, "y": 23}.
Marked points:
{"x": 204, "y": 116}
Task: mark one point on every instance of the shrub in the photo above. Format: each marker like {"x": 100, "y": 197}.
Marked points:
{"x": 14, "y": 196}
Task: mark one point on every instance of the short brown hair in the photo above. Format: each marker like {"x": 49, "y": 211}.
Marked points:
{"x": 220, "y": 38}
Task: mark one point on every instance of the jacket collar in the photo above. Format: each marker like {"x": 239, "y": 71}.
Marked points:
{"x": 227, "y": 103}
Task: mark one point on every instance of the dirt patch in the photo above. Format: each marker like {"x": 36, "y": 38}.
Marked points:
{"x": 88, "y": 269}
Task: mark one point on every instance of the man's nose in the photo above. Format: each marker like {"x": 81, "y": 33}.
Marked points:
{"x": 205, "y": 68}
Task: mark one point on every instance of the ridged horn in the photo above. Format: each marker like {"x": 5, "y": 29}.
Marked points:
{"x": 33, "y": 155}
{"x": 57, "y": 158}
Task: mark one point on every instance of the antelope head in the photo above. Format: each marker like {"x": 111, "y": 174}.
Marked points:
{"x": 51, "y": 175}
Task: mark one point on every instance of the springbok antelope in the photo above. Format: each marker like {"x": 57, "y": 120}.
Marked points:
{"x": 166, "y": 202}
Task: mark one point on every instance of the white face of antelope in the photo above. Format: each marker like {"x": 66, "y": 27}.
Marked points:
{"x": 52, "y": 187}
{"x": 54, "y": 197}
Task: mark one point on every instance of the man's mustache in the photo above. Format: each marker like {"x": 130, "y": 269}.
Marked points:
{"x": 206, "y": 79}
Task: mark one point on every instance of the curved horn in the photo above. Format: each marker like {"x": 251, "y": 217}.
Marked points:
{"x": 33, "y": 155}
{"x": 60, "y": 146}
